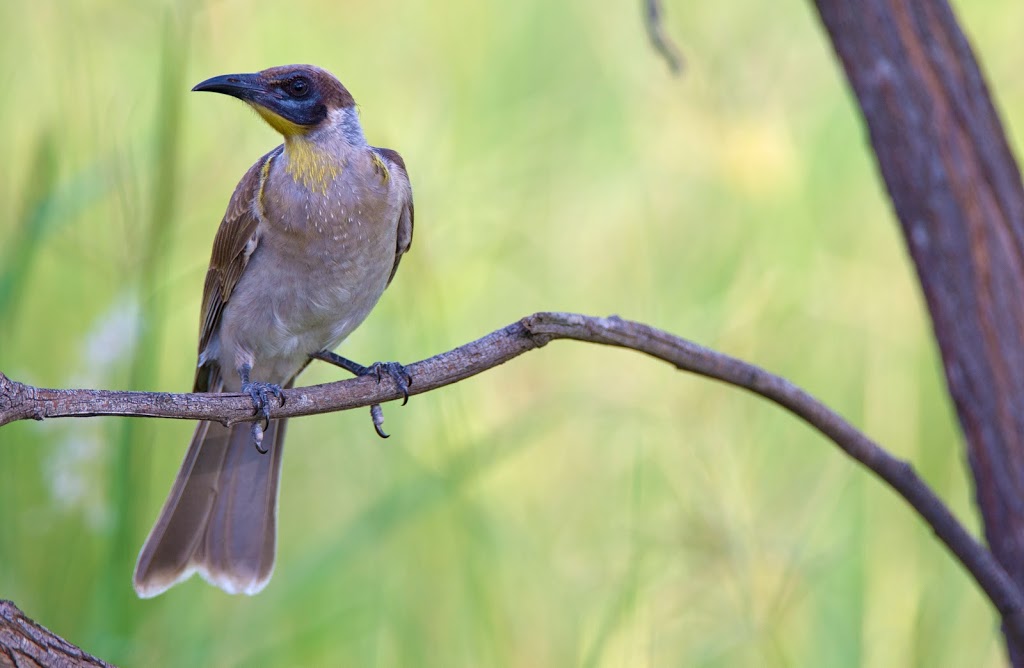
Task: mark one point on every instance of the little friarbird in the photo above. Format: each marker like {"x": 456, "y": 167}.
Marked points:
{"x": 313, "y": 234}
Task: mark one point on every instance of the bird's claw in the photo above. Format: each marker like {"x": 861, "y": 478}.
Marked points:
{"x": 257, "y": 438}
{"x": 377, "y": 415}
{"x": 402, "y": 379}
{"x": 398, "y": 374}
{"x": 260, "y": 394}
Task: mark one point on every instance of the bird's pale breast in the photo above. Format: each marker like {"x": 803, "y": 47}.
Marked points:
{"x": 325, "y": 250}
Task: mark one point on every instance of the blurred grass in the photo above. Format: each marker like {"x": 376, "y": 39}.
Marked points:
{"x": 578, "y": 506}
{"x": 31, "y": 227}
{"x": 117, "y": 609}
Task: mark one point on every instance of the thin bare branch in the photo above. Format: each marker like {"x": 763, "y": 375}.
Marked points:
{"x": 20, "y": 402}
{"x": 659, "y": 40}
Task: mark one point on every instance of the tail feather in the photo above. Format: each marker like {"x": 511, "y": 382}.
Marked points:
{"x": 220, "y": 518}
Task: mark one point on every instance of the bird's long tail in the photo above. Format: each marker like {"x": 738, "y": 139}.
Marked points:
{"x": 220, "y": 518}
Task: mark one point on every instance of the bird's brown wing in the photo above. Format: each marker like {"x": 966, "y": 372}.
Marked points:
{"x": 235, "y": 241}
{"x": 405, "y": 221}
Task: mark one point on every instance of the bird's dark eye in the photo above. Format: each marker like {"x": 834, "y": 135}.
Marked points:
{"x": 298, "y": 87}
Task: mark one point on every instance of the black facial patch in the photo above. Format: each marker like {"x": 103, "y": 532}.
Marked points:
{"x": 296, "y": 99}
{"x": 308, "y": 111}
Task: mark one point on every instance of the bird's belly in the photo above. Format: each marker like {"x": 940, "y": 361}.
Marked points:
{"x": 282, "y": 311}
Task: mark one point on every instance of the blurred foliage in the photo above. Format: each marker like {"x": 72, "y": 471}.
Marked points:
{"x": 579, "y": 506}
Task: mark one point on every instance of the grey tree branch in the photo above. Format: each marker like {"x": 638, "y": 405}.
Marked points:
{"x": 21, "y": 402}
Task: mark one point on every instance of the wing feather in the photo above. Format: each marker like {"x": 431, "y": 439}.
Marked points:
{"x": 400, "y": 179}
{"x": 234, "y": 243}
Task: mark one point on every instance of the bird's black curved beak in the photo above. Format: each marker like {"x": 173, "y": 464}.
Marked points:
{"x": 246, "y": 87}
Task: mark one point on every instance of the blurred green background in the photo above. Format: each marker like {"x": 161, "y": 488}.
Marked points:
{"x": 578, "y": 506}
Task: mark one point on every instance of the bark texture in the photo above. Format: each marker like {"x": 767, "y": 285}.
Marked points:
{"x": 957, "y": 191}
{"x": 25, "y": 644}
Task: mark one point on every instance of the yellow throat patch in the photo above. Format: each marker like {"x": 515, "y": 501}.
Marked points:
{"x": 308, "y": 164}
{"x": 279, "y": 123}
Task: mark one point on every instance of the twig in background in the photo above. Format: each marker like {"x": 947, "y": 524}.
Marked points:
{"x": 661, "y": 42}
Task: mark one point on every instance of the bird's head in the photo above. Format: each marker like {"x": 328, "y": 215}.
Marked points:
{"x": 293, "y": 99}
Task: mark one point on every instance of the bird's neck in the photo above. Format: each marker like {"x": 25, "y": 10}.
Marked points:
{"x": 345, "y": 122}
{"x": 315, "y": 159}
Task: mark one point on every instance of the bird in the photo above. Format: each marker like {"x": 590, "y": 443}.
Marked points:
{"x": 313, "y": 234}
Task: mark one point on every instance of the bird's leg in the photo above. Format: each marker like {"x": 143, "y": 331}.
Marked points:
{"x": 394, "y": 370}
{"x": 398, "y": 374}
{"x": 260, "y": 395}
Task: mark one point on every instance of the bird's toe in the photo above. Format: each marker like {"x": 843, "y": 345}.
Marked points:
{"x": 398, "y": 374}
{"x": 260, "y": 394}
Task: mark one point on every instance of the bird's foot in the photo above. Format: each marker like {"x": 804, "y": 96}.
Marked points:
{"x": 398, "y": 374}
{"x": 260, "y": 394}
{"x": 393, "y": 370}
{"x": 402, "y": 380}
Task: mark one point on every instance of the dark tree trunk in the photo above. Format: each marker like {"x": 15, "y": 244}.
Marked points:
{"x": 957, "y": 191}
{"x": 25, "y": 643}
